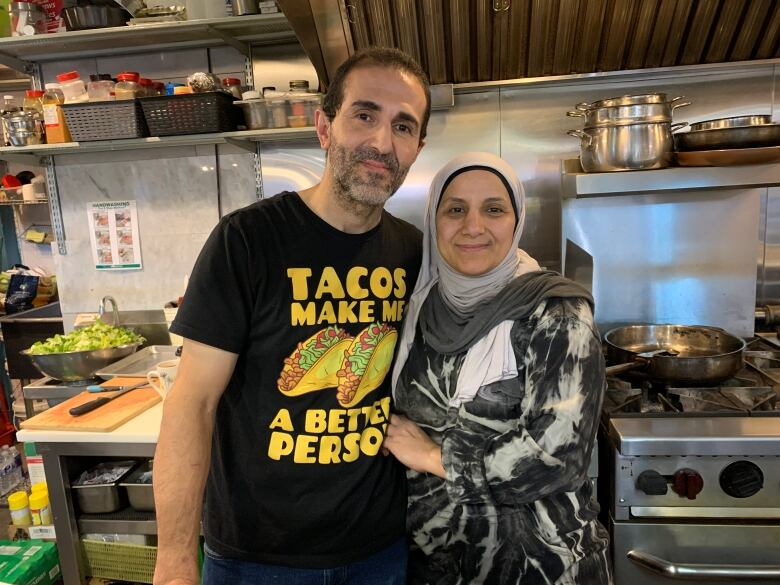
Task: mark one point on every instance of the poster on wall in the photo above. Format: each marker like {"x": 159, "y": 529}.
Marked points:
{"x": 113, "y": 230}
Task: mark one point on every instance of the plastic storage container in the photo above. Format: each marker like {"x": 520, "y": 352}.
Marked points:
{"x": 100, "y": 89}
{"x": 40, "y": 509}
{"x": 99, "y": 498}
{"x": 254, "y": 113}
{"x": 19, "y": 506}
{"x": 118, "y": 560}
{"x": 109, "y": 120}
{"x": 139, "y": 488}
{"x": 73, "y": 87}
{"x": 277, "y": 112}
{"x": 194, "y": 113}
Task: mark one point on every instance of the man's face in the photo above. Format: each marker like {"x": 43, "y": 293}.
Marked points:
{"x": 375, "y": 136}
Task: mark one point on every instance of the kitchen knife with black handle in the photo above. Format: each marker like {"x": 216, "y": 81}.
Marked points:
{"x": 98, "y": 402}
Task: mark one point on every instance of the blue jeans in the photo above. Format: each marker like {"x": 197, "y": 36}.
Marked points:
{"x": 387, "y": 567}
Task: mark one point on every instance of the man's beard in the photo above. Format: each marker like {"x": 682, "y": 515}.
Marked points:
{"x": 357, "y": 190}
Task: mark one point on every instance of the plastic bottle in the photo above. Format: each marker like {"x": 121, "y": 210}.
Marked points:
{"x": 40, "y": 486}
{"x": 19, "y": 506}
{"x": 32, "y": 100}
{"x": 17, "y": 476}
{"x": 127, "y": 87}
{"x": 73, "y": 87}
{"x": 53, "y": 118}
{"x": 39, "y": 509}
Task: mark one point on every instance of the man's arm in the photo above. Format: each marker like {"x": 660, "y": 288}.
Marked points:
{"x": 182, "y": 459}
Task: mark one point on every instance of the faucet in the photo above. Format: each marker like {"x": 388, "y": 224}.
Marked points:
{"x": 114, "y": 311}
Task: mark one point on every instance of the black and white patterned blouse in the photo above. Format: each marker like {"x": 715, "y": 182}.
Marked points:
{"x": 516, "y": 506}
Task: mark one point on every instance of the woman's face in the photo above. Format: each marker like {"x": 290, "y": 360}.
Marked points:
{"x": 475, "y": 223}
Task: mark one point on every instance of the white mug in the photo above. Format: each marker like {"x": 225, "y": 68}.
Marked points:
{"x": 162, "y": 377}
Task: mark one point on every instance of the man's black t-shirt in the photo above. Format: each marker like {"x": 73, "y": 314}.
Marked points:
{"x": 297, "y": 477}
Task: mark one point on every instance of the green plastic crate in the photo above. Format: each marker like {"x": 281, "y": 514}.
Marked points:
{"x": 118, "y": 560}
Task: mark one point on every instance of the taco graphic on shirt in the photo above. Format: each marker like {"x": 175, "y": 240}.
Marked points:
{"x": 366, "y": 362}
{"x": 314, "y": 363}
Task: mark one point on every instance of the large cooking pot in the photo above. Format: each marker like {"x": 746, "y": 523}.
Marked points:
{"x": 629, "y": 114}
{"x": 676, "y": 353}
{"x": 628, "y": 147}
{"x": 757, "y": 136}
{"x": 632, "y": 100}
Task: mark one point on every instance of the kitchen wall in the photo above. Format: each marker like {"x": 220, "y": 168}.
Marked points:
{"x": 182, "y": 192}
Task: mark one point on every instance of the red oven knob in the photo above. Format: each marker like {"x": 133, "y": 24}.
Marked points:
{"x": 687, "y": 483}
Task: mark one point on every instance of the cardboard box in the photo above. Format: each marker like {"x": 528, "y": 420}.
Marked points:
{"x": 28, "y": 562}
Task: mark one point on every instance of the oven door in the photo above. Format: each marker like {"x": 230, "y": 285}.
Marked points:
{"x": 657, "y": 553}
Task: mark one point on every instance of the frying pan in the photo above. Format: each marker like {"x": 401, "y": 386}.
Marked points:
{"x": 679, "y": 353}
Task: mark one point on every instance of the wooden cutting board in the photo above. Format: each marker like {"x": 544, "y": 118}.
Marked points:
{"x": 101, "y": 420}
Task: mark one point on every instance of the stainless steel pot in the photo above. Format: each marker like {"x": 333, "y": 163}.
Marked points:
{"x": 630, "y": 147}
{"x": 630, "y": 114}
{"x": 632, "y": 100}
{"x": 734, "y": 122}
{"x": 680, "y": 353}
{"x": 725, "y": 138}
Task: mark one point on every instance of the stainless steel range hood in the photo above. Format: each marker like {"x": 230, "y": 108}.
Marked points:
{"x": 460, "y": 41}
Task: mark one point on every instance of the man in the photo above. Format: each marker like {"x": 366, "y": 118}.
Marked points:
{"x": 290, "y": 322}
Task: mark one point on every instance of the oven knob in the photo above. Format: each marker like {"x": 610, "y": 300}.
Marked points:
{"x": 687, "y": 483}
{"x": 652, "y": 483}
{"x": 741, "y": 479}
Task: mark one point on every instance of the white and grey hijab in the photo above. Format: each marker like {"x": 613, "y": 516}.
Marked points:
{"x": 452, "y": 309}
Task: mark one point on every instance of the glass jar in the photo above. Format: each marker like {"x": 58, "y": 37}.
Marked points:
{"x": 73, "y": 87}
{"x": 233, "y": 85}
{"x": 127, "y": 87}
{"x": 27, "y": 18}
{"x": 147, "y": 87}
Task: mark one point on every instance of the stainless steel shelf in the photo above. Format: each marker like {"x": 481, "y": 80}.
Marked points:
{"x": 242, "y": 138}
{"x": 239, "y": 31}
{"x": 576, "y": 184}
{"x": 126, "y": 521}
{"x": 23, "y": 203}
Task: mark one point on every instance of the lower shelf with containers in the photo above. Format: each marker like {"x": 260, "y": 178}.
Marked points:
{"x": 116, "y": 520}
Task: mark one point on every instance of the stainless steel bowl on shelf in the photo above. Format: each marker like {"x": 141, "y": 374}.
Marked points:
{"x": 630, "y": 147}
{"x": 733, "y": 122}
{"x": 78, "y": 365}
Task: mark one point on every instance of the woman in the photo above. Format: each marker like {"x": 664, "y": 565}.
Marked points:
{"x": 500, "y": 377}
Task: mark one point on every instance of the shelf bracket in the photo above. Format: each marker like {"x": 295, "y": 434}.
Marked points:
{"x": 240, "y": 46}
{"x": 25, "y": 67}
{"x": 55, "y": 207}
{"x": 242, "y": 144}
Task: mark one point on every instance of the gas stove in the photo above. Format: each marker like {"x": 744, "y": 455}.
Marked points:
{"x": 690, "y": 476}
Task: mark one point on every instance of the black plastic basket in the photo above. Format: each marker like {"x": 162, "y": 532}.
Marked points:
{"x": 194, "y": 113}
{"x": 105, "y": 120}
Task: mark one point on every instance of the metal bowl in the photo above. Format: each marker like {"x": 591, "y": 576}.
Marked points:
{"x": 78, "y": 365}
{"x": 734, "y": 122}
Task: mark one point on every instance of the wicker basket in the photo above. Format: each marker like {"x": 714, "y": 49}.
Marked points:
{"x": 105, "y": 120}
{"x": 118, "y": 560}
{"x": 195, "y": 113}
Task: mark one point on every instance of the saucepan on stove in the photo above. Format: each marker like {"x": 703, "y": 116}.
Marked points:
{"x": 674, "y": 353}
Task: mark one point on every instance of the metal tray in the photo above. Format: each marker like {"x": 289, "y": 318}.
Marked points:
{"x": 140, "y": 363}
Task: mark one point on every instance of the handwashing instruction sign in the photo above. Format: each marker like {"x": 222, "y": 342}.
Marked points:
{"x": 113, "y": 230}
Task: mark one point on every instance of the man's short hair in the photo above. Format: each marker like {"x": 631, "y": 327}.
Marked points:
{"x": 376, "y": 57}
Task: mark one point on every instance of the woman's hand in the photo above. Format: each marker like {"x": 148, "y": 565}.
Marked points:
{"x": 412, "y": 447}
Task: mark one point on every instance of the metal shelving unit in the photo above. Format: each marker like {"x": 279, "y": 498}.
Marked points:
{"x": 577, "y": 184}
{"x": 239, "y": 32}
{"x": 242, "y": 138}
{"x": 126, "y": 521}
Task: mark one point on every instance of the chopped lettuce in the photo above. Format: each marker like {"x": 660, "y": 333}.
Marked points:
{"x": 98, "y": 335}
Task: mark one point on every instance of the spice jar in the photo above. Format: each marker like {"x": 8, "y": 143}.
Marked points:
{"x": 53, "y": 118}
{"x": 233, "y": 85}
{"x": 100, "y": 89}
{"x": 73, "y": 87}
{"x": 39, "y": 508}
{"x": 277, "y": 113}
{"x": 147, "y": 87}
{"x": 32, "y": 100}
{"x": 19, "y": 506}
{"x": 127, "y": 87}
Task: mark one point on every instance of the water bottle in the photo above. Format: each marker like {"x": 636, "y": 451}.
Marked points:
{"x": 5, "y": 470}
{"x": 16, "y": 475}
